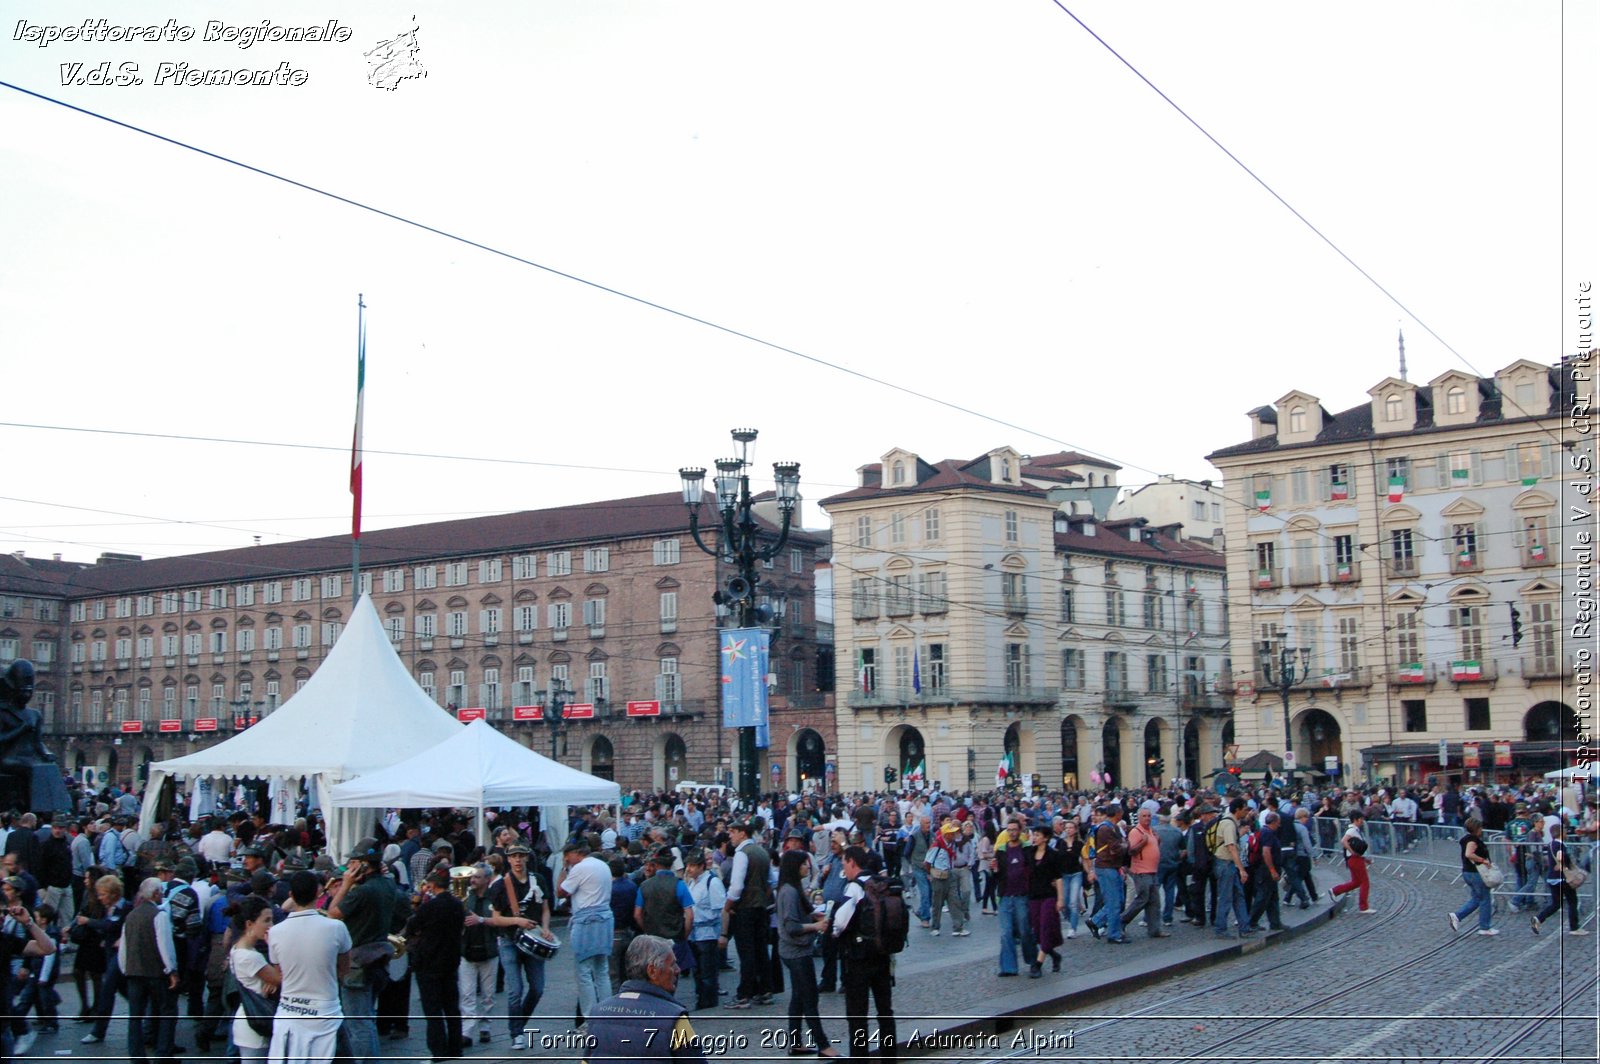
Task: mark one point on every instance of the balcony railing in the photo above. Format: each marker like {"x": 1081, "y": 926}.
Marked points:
{"x": 932, "y": 604}
{"x": 1404, "y": 566}
{"x": 1535, "y": 555}
{"x": 1344, "y": 573}
{"x": 898, "y": 606}
{"x": 1546, "y": 667}
{"x": 1305, "y": 575}
{"x": 864, "y": 609}
{"x": 1466, "y": 562}
{"x": 1206, "y": 704}
{"x": 1016, "y": 605}
{"x": 1338, "y": 679}
{"x": 886, "y": 696}
{"x": 1463, "y": 672}
{"x": 1266, "y": 577}
{"x": 1423, "y": 675}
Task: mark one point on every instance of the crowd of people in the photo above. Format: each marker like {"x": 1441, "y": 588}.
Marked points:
{"x": 279, "y": 950}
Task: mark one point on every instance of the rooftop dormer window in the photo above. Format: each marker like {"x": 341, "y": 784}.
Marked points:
{"x": 1455, "y": 400}
{"x": 1393, "y": 408}
{"x": 1297, "y": 419}
{"x": 898, "y": 475}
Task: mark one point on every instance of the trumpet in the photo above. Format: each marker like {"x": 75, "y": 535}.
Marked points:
{"x": 461, "y": 880}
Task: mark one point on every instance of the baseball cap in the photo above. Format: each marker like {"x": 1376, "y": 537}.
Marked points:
{"x": 518, "y": 847}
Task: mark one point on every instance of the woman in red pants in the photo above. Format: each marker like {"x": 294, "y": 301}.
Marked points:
{"x": 1355, "y": 848}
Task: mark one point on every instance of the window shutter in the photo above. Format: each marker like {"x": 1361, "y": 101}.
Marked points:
{"x": 1442, "y": 470}
{"x": 1476, "y": 466}
{"x": 1513, "y": 466}
{"x": 1547, "y": 465}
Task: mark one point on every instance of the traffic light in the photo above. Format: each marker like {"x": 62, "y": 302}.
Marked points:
{"x": 1161, "y": 766}
{"x": 889, "y": 774}
{"x": 1516, "y": 625}
{"x": 1234, "y": 769}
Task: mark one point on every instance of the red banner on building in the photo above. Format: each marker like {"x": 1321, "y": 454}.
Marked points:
{"x": 527, "y": 713}
{"x": 579, "y": 711}
{"x": 131, "y": 726}
{"x": 170, "y": 725}
{"x": 644, "y": 709}
{"x": 1469, "y": 755}
{"x": 1502, "y": 754}
{"x": 205, "y": 724}
{"x": 466, "y": 716}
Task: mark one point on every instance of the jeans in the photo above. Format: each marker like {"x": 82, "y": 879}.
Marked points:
{"x": 1014, "y": 932}
{"x": 1072, "y": 887}
{"x": 1108, "y": 882}
{"x": 919, "y": 875}
{"x": 440, "y": 999}
{"x": 524, "y": 985}
{"x": 1480, "y": 901}
{"x": 1266, "y": 899}
{"x": 360, "y": 1021}
{"x": 705, "y": 974}
{"x": 475, "y": 991}
{"x": 150, "y": 1002}
{"x": 1559, "y": 890}
{"x": 594, "y": 982}
{"x": 1230, "y": 896}
{"x": 1168, "y": 882}
{"x": 803, "y": 1003}
{"x": 1202, "y": 884}
{"x": 1296, "y": 880}
{"x": 106, "y": 999}
{"x": 830, "y": 962}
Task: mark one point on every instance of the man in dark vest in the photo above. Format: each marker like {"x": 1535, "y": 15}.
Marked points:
{"x": 150, "y": 964}
{"x": 665, "y": 908}
{"x": 644, "y": 1021}
{"x": 749, "y": 894}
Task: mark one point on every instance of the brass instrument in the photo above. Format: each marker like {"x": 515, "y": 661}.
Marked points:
{"x": 461, "y": 879}
{"x": 399, "y": 944}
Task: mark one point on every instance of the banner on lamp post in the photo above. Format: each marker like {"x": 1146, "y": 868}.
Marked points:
{"x": 745, "y": 664}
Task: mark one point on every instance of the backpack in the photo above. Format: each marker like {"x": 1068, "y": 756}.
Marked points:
{"x": 1200, "y": 848}
{"x": 1253, "y": 851}
{"x": 881, "y": 922}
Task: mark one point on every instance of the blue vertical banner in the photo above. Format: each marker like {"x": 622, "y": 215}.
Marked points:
{"x": 745, "y": 663}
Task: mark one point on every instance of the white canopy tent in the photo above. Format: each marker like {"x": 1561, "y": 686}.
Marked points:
{"x": 480, "y": 767}
{"x": 361, "y": 711}
{"x": 1591, "y": 771}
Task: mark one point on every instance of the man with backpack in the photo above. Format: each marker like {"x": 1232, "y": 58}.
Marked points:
{"x": 871, "y": 926}
{"x": 186, "y": 909}
{"x": 1228, "y": 869}
{"x": 1199, "y": 864}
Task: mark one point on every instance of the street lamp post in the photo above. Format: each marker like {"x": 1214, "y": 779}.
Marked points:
{"x": 739, "y": 544}
{"x": 554, "y": 700}
{"x": 1287, "y": 675}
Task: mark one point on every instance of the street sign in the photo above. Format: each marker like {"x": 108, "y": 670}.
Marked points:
{"x": 1469, "y": 755}
{"x": 104, "y": 776}
{"x": 205, "y": 724}
{"x": 169, "y": 725}
{"x": 1444, "y": 753}
{"x": 130, "y": 727}
{"x": 1330, "y": 764}
{"x": 644, "y": 709}
{"x": 466, "y": 716}
{"x": 777, "y": 771}
{"x": 1288, "y": 761}
{"x": 527, "y": 713}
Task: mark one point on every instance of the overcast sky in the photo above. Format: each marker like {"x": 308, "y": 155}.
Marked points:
{"x": 971, "y": 200}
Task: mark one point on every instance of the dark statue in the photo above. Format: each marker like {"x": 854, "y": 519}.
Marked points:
{"x": 29, "y": 776}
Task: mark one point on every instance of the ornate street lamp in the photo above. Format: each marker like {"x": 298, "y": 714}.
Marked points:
{"x": 1283, "y": 678}
{"x": 739, "y": 544}
{"x": 554, "y": 701}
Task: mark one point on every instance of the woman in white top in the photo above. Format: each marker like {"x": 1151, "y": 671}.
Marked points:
{"x": 252, "y": 920}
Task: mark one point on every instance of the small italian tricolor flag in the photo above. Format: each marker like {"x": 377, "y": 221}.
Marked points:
{"x": 1536, "y": 552}
{"x": 1342, "y": 570}
{"x": 1264, "y": 499}
{"x": 1466, "y": 670}
{"x": 1411, "y": 672}
{"x": 1397, "y": 489}
{"x": 862, "y": 676}
{"x": 1340, "y": 491}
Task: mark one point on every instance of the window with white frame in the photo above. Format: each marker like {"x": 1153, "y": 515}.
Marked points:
{"x": 458, "y": 687}
{"x": 560, "y": 677}
{"x": 427, "y": 625}
{"x": 489, "y": 620}
{"x": 930, "y": 523}
{"x": 124, "y": 649}
{"x": 938, "y": 677}
{"x": 191, "y": 600}
{"x": 455, "y": 624}
{"x": 191, "y": 698}
{"x": 424, "y": 577}
{"x": 525, "y": 618}
{"x": 863, "y": 531}
{"x": 1012, "y": 532}
{"x": 97, "y": 705}
{"x": 394, "y": 581}
{"x": 193, "y": 643}
{"x": 245, "y": 594}
{"x": 300, "y": 589}
{"x": 219, "y": 697}
{"x": 523, "y": 695}
{"x": 1297, "y": 419}
{"x": 664, "y": 552}
{"x": 273, "y": 694}
{"x": 524, "y": 567}
{"x": 425, "y": 681}
{"x": 244, "y": 640}
{"x": 1394, "y": 408}
{"x": 897, "y": 528}
{"x": 1018, "y": 676}
{"x": 10, "y": 649}
{"x": 120, "y": 703}
{"x": 900, "y": 657}
{"x": 1349, "y": 633}
{"x": 169, "y": 646}
{"x": 1072, "y": 669}
{"x": 125, "y": 606}
{"x": 44, "y": 651}
{"x": 489, "y": 570}
{"x": 455, "y": 574}
{"x": 594, "y": 614}
{"x": 489, "y": 690}
{"x": 797, "y": 560}
{"x": 597, "y": 559}
{"x": 169, "y": 702}
{"x": 80, "y": 610}
{"x": 669, "y": 611}
{"x": 668, "y": 689}
{"x": 396, "y": 627}
{"x": 597, "y": 689}
{"x": 169, "y": 604}
{"x": 219, "y": 599}
{"x": 271, "y": 593}
{"x": 99, "y": 609}
{"x": 558, "y": 563}
{"x": 272, "y": 638}
{"x": 561, "y": 615}
{"x": 1116, "y": 609}
{"x": 302, "y": 636}
{"x": 1116, "y": 665}
{"x": 330, "y": 632}
{"x": 1469, "y": 625}
{"x": 1407, "y": 642}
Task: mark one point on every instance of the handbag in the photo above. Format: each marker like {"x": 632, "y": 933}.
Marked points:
{"x": 1575, "y": 877}
{"x": 258, "y": 1011}
{"x": 1492, "y": 877}
{"x": 683, "y": 953}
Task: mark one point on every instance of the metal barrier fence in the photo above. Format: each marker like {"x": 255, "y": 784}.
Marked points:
{"x": 1433, "y": 852}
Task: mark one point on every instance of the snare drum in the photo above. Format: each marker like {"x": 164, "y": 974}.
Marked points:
{"x": 531, "y": 942}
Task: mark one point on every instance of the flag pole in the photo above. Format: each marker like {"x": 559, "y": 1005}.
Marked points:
{"x": 355, "y": 452}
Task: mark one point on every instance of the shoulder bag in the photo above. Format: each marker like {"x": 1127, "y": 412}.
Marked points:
{"x": 258, "y": 1010}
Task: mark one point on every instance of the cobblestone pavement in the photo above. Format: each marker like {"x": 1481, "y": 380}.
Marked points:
{"x": 1336, "y": 986}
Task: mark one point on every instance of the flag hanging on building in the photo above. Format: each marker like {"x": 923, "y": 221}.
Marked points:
{"x": 745, "y": 663}
{"x": 355, "y": 443}
{"x": 1263, "y": 499}
{"x": 1411, "y": 672}
{"x": 916, "y": 672}
{"x": 1340, "y": 491}
{"x": 1502, "y": 753}
{"x": 1466, "y": 670}
{"x": 1397, "y": 488}
{"x": 1469, "y": 755}
{"x": 863, "y": 677}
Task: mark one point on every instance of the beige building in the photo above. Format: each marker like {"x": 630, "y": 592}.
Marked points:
{"x": 144, "y": 660}
{"x": 1407, "y": 550}
{"x": 977, "y": 623}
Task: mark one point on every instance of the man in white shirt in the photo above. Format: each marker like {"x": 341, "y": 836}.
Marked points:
{"x": 590, "y": 929}
{"x": 313, "y": 953}
{"x": 216, "y": 845}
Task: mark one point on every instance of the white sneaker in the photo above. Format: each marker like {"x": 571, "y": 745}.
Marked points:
{"x": 1490, "y": 931}
{"x": 1072, "y": 932}
{"x": 1455, "y": 922}
{"x": 1580, "y": 932}
{"x": 90, "y": 1040}
{"x": 1372, "y": 912}
{"x": 963, "y": 933}
{"x": 24, "y": 1042}
{"x": 520, "y": 1042}
{"x": 934, "y": 932}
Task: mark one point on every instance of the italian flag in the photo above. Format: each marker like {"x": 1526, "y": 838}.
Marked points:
{"x": 1411, "y": 672}
{"x": 355, "y": 443}
{"x": 1342, "y": 570}
{"x": 1536, "y": 552}
{"x": 861, "y": 673}
{"x": 1466, "y": 670}
{"x": 1340, "y": 491}
{"x": 1264, "y": 499}
{"x": 1397, "y": 489}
